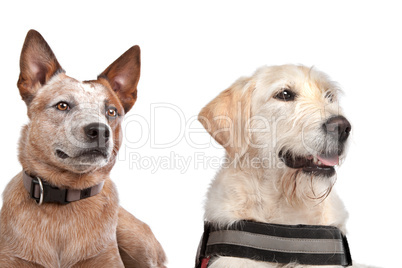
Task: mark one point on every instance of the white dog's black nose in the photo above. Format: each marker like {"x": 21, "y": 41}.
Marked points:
{"x": 338, "y": 127}
{"x": 97, "y": 132}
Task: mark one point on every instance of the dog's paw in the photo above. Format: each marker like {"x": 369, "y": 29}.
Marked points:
{"x": 145, "y": 254}
{"x": 137, "y": 244}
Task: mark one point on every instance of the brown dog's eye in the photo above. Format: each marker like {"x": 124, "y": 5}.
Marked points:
{"x": 111, "y": 112}
{"x": 285, "y": 95}
{"x": 63, "y": 106}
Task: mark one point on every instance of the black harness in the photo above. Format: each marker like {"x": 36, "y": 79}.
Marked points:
{"x": 276, "y": 243}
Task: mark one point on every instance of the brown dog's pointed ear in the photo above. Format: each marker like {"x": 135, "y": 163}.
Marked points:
{"x": 37, "y": 65}
{"x": 227, "y": 118}
{"x": 123, "y": 75}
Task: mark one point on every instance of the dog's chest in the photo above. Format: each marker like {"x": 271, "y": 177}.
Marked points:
{"x": 67, "y": 236}
{"x": 59, "y": 236}
{"x": 252, "y": 199}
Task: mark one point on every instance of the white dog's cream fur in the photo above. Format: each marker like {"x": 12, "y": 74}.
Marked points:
{"x": 254, "y": 127}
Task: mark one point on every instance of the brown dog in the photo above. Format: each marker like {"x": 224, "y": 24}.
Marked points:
{"x": 62, "y": 210}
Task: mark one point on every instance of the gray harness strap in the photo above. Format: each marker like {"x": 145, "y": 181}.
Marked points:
{"x": 304, "y": 244}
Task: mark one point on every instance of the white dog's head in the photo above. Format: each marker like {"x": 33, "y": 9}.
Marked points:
{"x": 285, "y": 120}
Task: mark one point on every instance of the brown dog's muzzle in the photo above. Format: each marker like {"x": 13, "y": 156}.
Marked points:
{"x": 98, "y": 133}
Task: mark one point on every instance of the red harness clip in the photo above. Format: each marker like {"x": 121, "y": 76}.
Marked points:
{"x": 204, "y": 263}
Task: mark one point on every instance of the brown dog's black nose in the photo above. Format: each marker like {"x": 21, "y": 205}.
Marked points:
{"x": 97, "y": 131}
{"x": 338, "y": 127}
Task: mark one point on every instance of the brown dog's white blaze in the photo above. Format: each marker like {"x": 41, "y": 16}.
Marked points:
{"x": 37, "y": 64}
{"x": 120, "y": 80}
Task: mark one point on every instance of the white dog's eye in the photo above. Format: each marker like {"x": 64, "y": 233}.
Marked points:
{"x": 330, "y": 96}
{"x": 285, "y": 95}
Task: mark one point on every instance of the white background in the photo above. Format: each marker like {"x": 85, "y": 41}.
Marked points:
{"x": 193, "y": 50}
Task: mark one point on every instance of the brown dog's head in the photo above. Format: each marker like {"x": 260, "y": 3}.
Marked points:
{"x": 74, "y": 126}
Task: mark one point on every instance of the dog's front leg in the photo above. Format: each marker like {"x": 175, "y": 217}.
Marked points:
{"x": 137, "y": 244}
{"x": 19, "y": 264}
{"x": 108, "y": 258}
{"x": 6, "y": 260}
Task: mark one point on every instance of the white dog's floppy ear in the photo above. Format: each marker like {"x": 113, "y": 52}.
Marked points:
{"x": 37, "y": 65}
{"x": 123, "y": 75}
{"x": 227, "y": 118}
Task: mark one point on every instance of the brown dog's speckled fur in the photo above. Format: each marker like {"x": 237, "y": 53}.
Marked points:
{"x": 94, "y": 232}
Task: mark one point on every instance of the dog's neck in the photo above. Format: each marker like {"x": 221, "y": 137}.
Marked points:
{"x": 57, "y": 177}
{"x": 241, "y": 193}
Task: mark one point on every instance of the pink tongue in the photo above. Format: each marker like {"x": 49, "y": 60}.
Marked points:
{"x": 329, "y": 160}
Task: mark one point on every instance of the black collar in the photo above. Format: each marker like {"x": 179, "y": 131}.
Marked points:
{"x": 43, "y": 192}
{"x": 276, "y": 243}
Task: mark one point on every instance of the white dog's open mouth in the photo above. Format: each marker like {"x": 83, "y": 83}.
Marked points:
{"x": 319, "y": 165}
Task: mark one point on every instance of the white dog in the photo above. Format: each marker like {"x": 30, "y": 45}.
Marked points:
{"x": 284, "y": 133}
